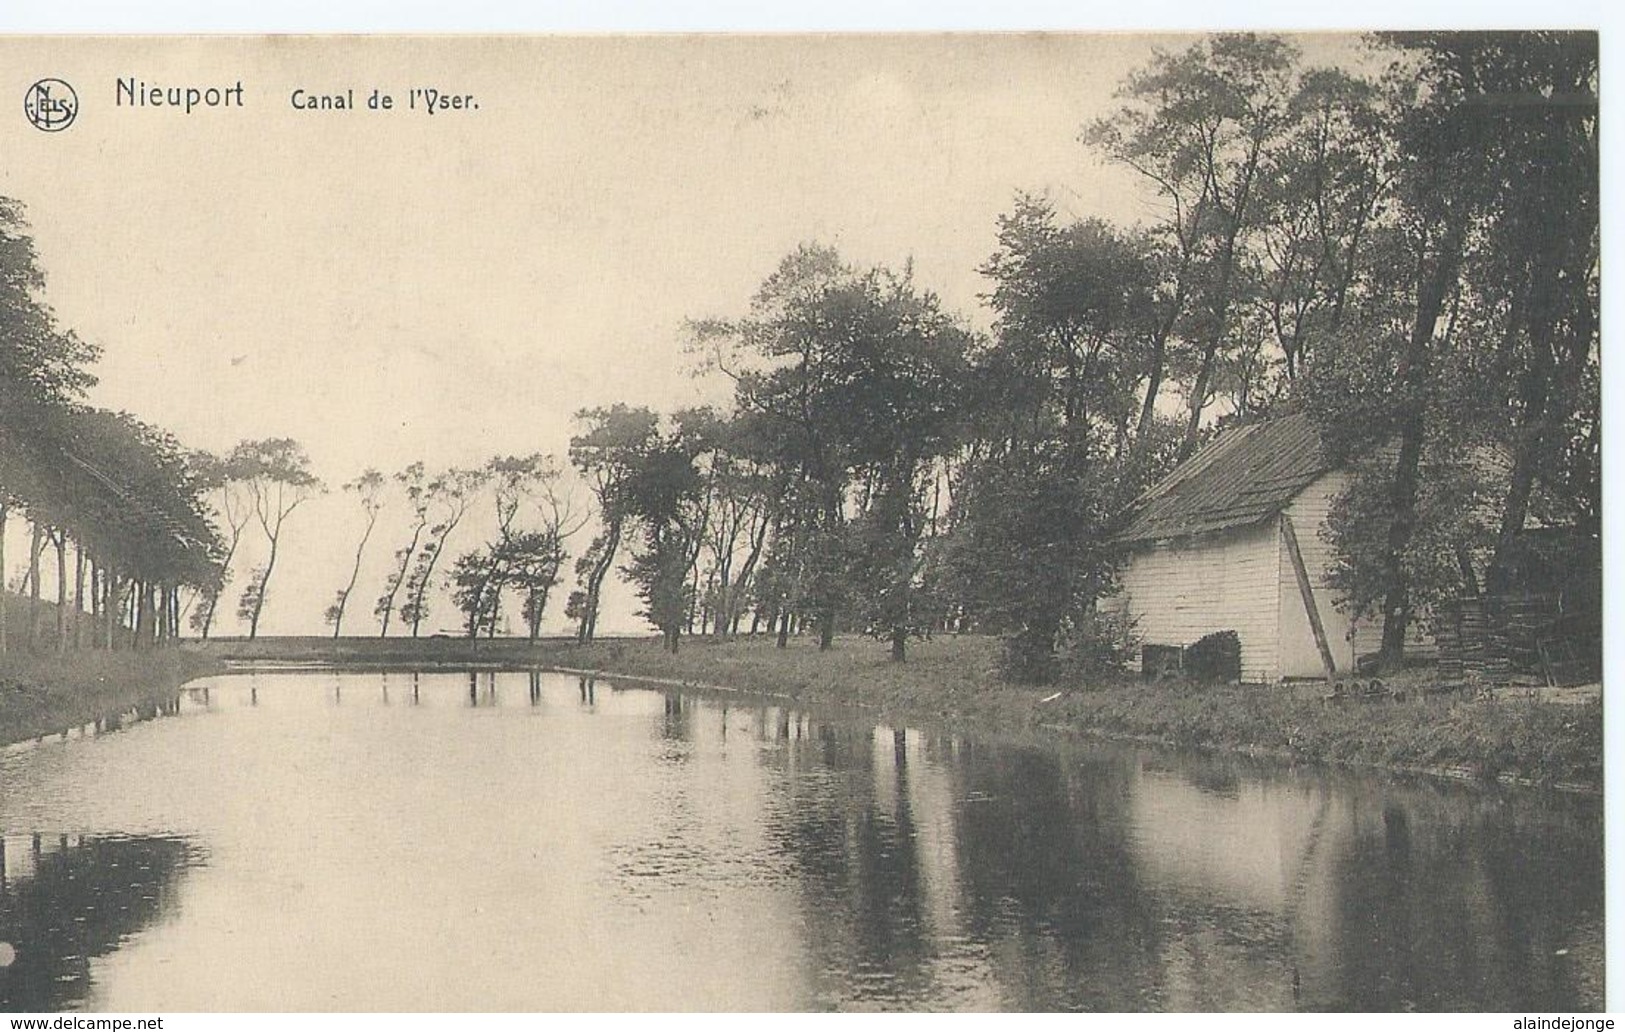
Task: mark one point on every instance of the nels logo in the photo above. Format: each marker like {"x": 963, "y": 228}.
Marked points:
{"x": 51, "y": 105}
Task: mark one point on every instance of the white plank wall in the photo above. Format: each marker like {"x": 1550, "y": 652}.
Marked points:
{"x": 1229, "y": 581}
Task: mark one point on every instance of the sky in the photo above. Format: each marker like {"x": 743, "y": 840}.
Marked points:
{"x": 392, "y": 286}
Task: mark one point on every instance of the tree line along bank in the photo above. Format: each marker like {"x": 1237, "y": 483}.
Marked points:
{"x": 1407, "y": 256}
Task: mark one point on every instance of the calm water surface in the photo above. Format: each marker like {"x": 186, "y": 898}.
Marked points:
{"x": 516, "y": 841}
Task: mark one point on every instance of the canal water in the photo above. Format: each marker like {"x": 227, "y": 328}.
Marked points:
{"x": 522, "y": 841}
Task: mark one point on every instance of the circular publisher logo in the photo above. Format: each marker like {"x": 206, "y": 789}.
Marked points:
{"x": 51, "y": 105}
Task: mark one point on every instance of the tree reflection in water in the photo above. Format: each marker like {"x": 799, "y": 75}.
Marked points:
{"x": 61, "y": 907}
{"x": 934, "y": 872}
{"x": 855, "y": 865}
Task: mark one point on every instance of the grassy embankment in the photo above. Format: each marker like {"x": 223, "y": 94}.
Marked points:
{"x": 1513, "y": 737}
{"x": 44, "y": 694}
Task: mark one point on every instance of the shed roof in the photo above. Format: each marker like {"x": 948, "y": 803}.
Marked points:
{"x": 1244, "y": 476}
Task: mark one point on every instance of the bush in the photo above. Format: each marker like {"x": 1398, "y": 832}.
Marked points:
{"x": 1099, "y": 643}
{"x": 1215, "y": 657}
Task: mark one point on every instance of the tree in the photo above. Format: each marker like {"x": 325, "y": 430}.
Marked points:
{"x": 39, "y": 361}
{"x": 277, "y": 474}
{"x": 128, "y": 494}
{"x": 905, "y": 391}
{"x": 1402, "y": 374}
{"x": 745, "y": 491}
{"x": 414, "y": 484}
{"x": 1320, "y": 204}
{"x": 228, "y": 493}
{"x": 368, "y": 489}
{"x": 42, "y": 370}
{"x": 472, "y": 576}
{"x": 1078, "y": 330}
{"x": 789, "y": 363}
{"x": 449, "y": 496}
{"x": 1541, "y": 257}
{"x": 121, "y": 492}
{"x": 535, "y": 559}
{"x": 1200, "y": 126}
{"x": 1030, "y": 553}
{"x": 607, "y": 453}
{"x": 1047, "y": 459}
{"x": 851, "y": 374}
{"x": 663, "y": 493}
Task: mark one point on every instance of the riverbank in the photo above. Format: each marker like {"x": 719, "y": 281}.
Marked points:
{"x": 47, "y": 694}
{"x": 1517, "y": 737}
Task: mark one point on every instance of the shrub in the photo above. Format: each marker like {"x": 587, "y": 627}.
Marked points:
{"x": 1215, "y": 657}
{"x": 1099, "y": 643}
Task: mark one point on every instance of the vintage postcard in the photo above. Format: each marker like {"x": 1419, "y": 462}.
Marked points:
{"x": 1053, "y": 521}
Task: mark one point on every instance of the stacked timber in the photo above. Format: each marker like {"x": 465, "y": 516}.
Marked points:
{"x": 1525, "y": 621}
{"x": 1484, "y": 639}
{"x": 1447, "y": 638}
{"x": 1469, "y": 649}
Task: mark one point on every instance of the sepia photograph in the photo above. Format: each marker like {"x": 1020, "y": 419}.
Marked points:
{"x": 801, "y": 522}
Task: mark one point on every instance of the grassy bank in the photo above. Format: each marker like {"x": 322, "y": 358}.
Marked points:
{"x": 956, "y": 679}
{"x": 438, "y": 650}
{"x": 45, "y": 694}
{"x": 1514, "y": 737}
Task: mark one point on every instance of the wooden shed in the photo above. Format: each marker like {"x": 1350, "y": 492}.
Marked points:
{"x": 1231, "y": 541}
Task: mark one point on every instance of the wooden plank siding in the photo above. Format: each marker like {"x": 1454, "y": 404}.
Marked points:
{"x": 1206, "y": 553}
{"x": 1242, "y": 580}
{"x": 1308, "y": 511}
{"x": 1180, "y": 590}
{"x": 1311, "y": 508}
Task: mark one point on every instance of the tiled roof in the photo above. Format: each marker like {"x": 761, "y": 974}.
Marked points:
{"x": 1244, "y": 476}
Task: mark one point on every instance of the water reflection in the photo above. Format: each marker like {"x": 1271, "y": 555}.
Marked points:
{"x": 66, "y": 900}
{"x": 936, "y": 872}
{"x": 626, "y": 848}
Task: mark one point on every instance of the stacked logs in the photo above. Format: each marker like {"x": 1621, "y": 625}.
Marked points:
{"x": 1481, "y": 639}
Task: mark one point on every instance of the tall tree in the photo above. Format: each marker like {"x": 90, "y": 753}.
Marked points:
{"x": 664, "y": 494}
{"x": 1402, "y": 380}
{"x": 607, "y": 453}
{"x": 796, "y": 358}
{"x": 1541, "y": 271}
{"x": 414, "y": 484}
{"x": 449, "y": 495}
{"x": 1199, "y": 125}
{"x": 1048, "y": 458}
{"x": 1321, "y": 201}
{"x": 535, "y": 559}
{"x": 277, "y": 474}
{"x": 228, "y": 495}
{"x": 536, "y": 556}
{"x": 368, "y": 489}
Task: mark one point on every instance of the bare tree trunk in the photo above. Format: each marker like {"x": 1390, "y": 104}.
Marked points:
{"x": 400, "y": 579}
{"x": 60, "y": 539}
{"x": 79, "y": 595}
{"x": 109, "y": 607}
{"x": 161, "y": 624}
{"x": 141, "y": 599}
{"x": 1432, "y": 288}
{"x": 746, "y": 571}
{"x": 36, "y": 546}
{"x": 595, "y": 581}
{"x": 259, "y": 595}
{"x": 355, "y": 574}
{"x": 5, "y": 600}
